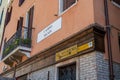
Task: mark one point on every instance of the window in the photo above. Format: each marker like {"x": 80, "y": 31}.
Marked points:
{"x": 1, "y": 16}
{"x": 26, "y": 26}
{"x": 0, "y": 2}
{"x": 19, "y": 26}
{"x": 28, "y": 23}
{"x": 67, "y": 72}
{"x": 8, "y": 15}
{"x": 21, "y": 2}
{"x": 19, "y": 23}
{"x": 66, "y": 4}
{"x": 116, "y": 2}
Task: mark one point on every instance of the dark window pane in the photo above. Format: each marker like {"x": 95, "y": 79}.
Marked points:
{"x": 117, "y": 1}
{"x": 67, "y": 3}
{"x": 67, "y": 72}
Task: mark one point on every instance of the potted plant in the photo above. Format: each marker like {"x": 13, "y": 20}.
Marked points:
{"x": 26, "y": 41}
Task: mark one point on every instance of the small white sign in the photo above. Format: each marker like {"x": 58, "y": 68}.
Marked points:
{"x": 90, "y": 44}
{"x": 55, "y": 26}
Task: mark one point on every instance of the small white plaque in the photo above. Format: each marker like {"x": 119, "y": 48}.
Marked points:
{"x": 55, "y": 26}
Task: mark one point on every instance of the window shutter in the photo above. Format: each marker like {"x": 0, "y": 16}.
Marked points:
{"x": 8, "y": 15}
{"x": 6, "y": 18}
{"x": 31, "y": 12}
{"x": 20, "y": 26}
{"x": 21, "y": 22}
{"x": 21, "y": 2}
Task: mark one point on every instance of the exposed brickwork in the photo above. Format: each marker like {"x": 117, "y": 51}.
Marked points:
{"x": 117, "y": 71}
{"x": 90, "y": 66}
{"x": 102, "y": 67}
{"x": 43, "y": 74}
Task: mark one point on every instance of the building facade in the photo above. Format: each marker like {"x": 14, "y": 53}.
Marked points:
{"x": 61, "y": 40}
{"x": 3, "y": 9}
{"x": 3, "y": 5}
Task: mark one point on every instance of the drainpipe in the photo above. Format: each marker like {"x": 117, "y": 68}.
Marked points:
{"x": 108, "y": 31}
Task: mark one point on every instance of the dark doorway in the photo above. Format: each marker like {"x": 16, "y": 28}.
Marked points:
{"x": 67, "y": 72}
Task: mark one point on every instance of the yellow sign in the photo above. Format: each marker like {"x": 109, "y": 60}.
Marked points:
{"x": 85, "y": 46}
{"x": 73, "y": 50}
{"x": 66, "y": 53}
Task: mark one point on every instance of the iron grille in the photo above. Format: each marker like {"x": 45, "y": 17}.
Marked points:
{"x": 67, "y": 72}
{"x": 15, "y": 41}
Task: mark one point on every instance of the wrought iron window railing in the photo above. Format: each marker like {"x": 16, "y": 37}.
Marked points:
{"x": 15, "y": 41}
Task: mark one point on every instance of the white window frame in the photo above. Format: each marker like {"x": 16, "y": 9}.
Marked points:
{"x": 61, "y": 4}
{"x": 26, "y": 26}
{"x": 114, "y": 3}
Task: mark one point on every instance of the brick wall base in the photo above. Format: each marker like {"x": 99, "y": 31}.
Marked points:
{"x": 90, "y": 66}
